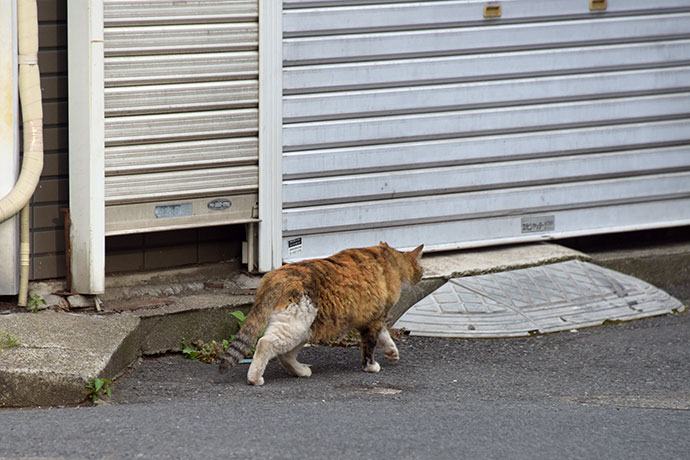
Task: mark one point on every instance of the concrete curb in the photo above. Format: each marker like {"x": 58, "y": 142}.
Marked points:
{"x": 201, "y": 316}
{"x": 667, "y": 266}
{"x": 57, "y": 353}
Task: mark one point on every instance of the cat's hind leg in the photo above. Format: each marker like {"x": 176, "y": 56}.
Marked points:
{"x": 369, "y": 337}
{"x": 286, "y": 330}
{"x": 390, "y": 351}
{"x": 291, "y": 365}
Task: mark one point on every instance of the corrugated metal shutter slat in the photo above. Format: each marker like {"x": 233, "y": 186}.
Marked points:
{"x": 485, "y": 203}
{"x": 378, "y": 15}
{"x": 432, "y": 181}
{"x": 178, "y": 126}
{"x": 180, "y": 184}
{"x": 477, "y": 121}
{"x": 121, "y": 12}
{"x": 349, "y": 104}
{"x": 482, "y": 149}
{"x": 180, "y": 155}
{"x": 199, "y": 38}
{"x": 184, "y": 97}
{"x": 538, "y": 35}
{"x": 486, "y": 66}
{"x": 178, "y": 68}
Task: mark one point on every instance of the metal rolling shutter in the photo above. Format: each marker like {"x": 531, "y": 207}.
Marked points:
{"x": 181, "y": 113}
{"x": 424, "y": 122}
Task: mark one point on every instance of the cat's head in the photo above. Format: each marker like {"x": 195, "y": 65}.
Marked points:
{"x": 414, "y": 257}
{"x": 411, "y": 269}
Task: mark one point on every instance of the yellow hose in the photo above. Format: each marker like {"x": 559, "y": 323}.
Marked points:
{"x": 24, "y": 256}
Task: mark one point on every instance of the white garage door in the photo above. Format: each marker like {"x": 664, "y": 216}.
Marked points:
{"x": 427, "y": 122}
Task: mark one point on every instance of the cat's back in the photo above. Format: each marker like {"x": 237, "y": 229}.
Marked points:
{"x": 357, "y": 264}
{"x": 348, "y": 275}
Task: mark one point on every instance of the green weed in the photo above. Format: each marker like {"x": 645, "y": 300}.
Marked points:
{"x": 208, "y": 353}
{"x": 188, "y": 351}
{"x": 35, "y": 302}
{"x": 99, "y": 388}
{"x": 212, "y": 352}
{"x": 7, "y": 341}
{"x": 241, "y": 318}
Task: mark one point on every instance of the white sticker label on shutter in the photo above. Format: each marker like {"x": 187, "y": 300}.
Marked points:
{"x": 173, "y": 210}
{"x": 294, "y": 246}
{"x": 538, "y": 224}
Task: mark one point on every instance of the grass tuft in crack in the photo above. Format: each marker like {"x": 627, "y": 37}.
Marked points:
{"x": 8, "y": 341}
{"x": 35, "y": 303}
{"x": 213, "y": 351}
{"x": 199, "y": 350}
{"x": 99, "y": 389}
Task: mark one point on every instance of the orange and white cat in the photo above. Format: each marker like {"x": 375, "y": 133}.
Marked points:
{"x": 321, "y": 299}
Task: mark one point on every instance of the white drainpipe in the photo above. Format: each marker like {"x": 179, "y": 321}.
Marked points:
{"x": 32, "y": 113}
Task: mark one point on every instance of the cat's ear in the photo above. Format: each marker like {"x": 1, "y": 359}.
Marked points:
{"x": 384, "y": 244}
{"x": 417, "y": 252}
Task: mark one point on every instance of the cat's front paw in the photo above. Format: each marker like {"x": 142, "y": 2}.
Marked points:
{"x": 372, "y": 366}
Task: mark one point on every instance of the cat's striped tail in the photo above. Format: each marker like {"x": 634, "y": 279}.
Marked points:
{"x": 248, "y": 334}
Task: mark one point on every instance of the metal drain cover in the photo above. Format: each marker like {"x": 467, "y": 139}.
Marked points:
{"x": 548, "y": 298}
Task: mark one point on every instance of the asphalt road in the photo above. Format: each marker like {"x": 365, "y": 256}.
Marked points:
{"x": 619, "y": 391}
